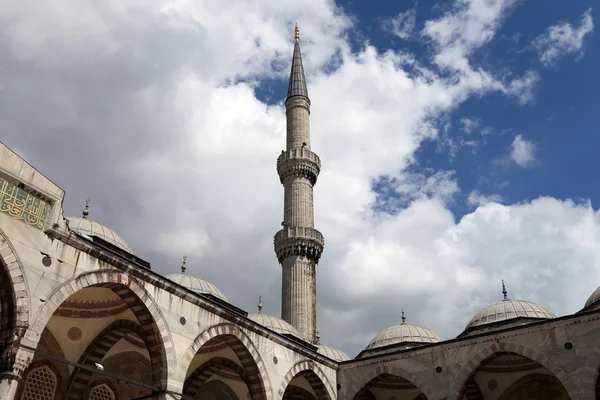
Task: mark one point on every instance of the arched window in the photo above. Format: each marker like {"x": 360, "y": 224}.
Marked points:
{"x": 41, "y": 383}
{"x": 102, "y": 392}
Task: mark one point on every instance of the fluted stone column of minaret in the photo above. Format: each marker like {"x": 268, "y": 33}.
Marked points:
{"x": 299, "y": 245}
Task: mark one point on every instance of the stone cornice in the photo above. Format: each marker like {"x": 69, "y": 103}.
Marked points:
{"x": 223, "y": 310}
{"x": 300, "y": 241}
{"x": 301, "y": 163}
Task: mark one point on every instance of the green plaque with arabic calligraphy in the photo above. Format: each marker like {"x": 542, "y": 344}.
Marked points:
{"x": 18, "y": 204}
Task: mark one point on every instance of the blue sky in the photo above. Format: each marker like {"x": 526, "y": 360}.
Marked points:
{"x": 561, "y": 121}
{"x": 458, "y": 146}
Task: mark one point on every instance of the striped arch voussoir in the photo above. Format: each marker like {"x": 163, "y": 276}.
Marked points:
{"x": 95, "y": 352}
{"x": 363, "y": 381}
{"x": 14, "y": 299}
{"x": 208, "y": 369}
{"x": 244, "y": 349}
{"x": 315, "y": 377}
{"x": 470, "y": 367}
{"x": 153, "y": 327}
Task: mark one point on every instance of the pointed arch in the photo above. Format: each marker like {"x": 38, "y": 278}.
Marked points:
{"x": 204, "y": 372}
{"x": 244, "y": 350}
{"x": 14, "y": 297}
{"x": 153, "y": 325}
{"x": 470, "y": 367}
{"x": 95, "y": 352}
{"x": 363, "y": 381}
{"x": 315, "y": 377}
{"x": 546, "y": 379}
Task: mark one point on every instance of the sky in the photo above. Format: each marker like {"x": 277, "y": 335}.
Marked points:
{"x": 458, "y": 141}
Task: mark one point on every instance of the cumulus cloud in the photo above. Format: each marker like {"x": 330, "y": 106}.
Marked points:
{"x": 403, "y": 24}
{"x": 151, "y": 109}
{"x": 522, "y": 151}
{"x": 562, "y": 39}
{"x": 477, "y": 199}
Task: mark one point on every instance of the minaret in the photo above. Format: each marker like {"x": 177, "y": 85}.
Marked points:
{"x": 298, "y": 245}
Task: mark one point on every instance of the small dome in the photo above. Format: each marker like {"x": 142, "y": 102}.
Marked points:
{"x": 196, "y": 284}
{"x": 593, "y": 298}
{"x": 404, "y": 333}
{"x": 509, "y": 309}
{"x": 86, "y": 227}
{"x": 332, "y": 353}
{"x": 275, "y": 324}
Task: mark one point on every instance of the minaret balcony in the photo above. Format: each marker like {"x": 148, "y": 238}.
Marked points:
{"x": 294, "y": 241}
{"x": 301, "y": 163}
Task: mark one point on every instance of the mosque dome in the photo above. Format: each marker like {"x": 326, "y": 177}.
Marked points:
{"x": 85, "y": 227}
{"x": 194, "y": 283}
{"x": 507, "y": 310}
{"x": 412, "y": 335}
{"x": 594, "y": 298}
{"x": 273, "y": 323}
{"x": 332, "y": 353}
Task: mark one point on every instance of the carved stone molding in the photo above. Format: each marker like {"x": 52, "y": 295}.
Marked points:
{"x": 299, "y": 241}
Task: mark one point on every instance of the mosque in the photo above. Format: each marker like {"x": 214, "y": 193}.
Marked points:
{"x": 84, "y": 317}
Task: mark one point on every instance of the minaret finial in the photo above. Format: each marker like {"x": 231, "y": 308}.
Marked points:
{"x": 86, "y": 210}
{"x": 183, "y": 266}
{"x": 403, "y": 317}
{"x": 504, "y": 292}
{"x": 260, "y": 304}
{"x": 318, "y": 337}
{"x": 297, "y": 33}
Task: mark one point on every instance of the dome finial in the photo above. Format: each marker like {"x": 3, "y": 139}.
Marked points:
{"x": 260, "y": 304}
{"x": 86, "y": 210}
{"x": 317, "y": 337}
{"x": 504, "y": 292}
{"x": 296, "y": 33}
{"x": 403, "y": 317}
{"x": 184, "y": 266}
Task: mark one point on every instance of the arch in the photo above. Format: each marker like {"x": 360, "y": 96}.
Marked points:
{"x": 526, "y": 379}
{"x": 590, "y": 374}
{"x": 38, "y": 366}
{"x": 313, "y": 374}
{"x": 97, "y": 349}
{"x": 501, "y": 348}
{"x": 243, "y": 348}
{"x": 359, "y": 384}
{"x": 14, "y": 298}
{"x": 226, "y": 392}
{"x": 98, "y": 385}
{"x": 298, "y": 393}
{"x": 193, "y": 384}
{"x": 152, "y": 322}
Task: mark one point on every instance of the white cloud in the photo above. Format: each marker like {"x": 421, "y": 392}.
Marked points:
{"x": 522, "y": 151}
{"x": 562, "y": 39}
{"x": 151, "y": 109}
{"x": 403, "y": 24}
{"x": 477, "y": 199}
{"x": 469, "y": 125}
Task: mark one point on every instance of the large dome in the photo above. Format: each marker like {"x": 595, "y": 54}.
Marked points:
{"x": 196, "y": 284}
{"x": 332, "y": 353}
{"x": 83, "y": 226}
{"x": 275, "y": 324}
{"x": 506, "y": 310}
{"x": 404, "y": 333}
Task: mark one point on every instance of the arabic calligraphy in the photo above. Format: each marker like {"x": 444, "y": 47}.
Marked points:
{"x": 20, "y": 205}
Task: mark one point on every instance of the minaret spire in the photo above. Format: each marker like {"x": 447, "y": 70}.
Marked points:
{"x": 297, "y": 85}
{"x": 298, "y": 245}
